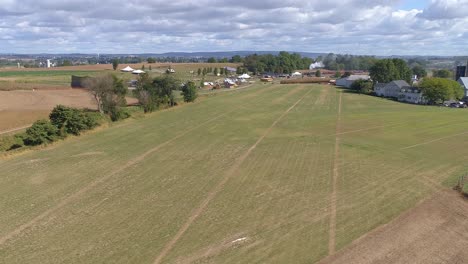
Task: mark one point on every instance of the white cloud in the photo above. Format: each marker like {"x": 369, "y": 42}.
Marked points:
{"x": 132, "y": 26}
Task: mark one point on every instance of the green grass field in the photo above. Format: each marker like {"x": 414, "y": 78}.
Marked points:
{"x": 268, "y": 174}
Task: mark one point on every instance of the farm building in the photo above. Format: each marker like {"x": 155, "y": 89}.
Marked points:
{"x": 78, "y": 81}
{"x": 348, "y": 81}
{"x": 464, "y": 82}
{"x": 230, "y": 69}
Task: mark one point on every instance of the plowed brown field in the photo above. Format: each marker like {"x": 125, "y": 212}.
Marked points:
{"x": 436, "y": 231}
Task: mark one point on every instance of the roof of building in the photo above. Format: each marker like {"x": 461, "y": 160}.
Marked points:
{"x": 380, "y": 85}
{"x": 464, "y": 81}
{"x": 400, "y": 83}
{"x": 409, "y": 89}
{"x": 355, "y": 77}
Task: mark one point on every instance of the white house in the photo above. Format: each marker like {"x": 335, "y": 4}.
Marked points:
{"x": 411, "y": 95}
{"x": 391, "y": 89}
{"x": 464, "y": 82}
{"x": 348, "y": 81}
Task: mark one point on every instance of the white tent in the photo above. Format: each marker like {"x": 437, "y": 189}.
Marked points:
{"x": 127, "y": 69}
{"x": 244, "y": 76}
{"x": 137, "y": 72}
{"x": 296, "y": 74}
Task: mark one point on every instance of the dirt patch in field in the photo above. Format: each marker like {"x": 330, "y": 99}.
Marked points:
{"x": 435, "y": 231}
{"x": 20, "y": 108}
{"x": 44, "y": 100}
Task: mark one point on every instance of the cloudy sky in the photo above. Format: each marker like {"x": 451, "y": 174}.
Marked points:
{"x": 379, "y": 27}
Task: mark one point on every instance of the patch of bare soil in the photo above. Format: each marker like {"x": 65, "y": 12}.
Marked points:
{"x": 19, "y": 108}
{"x": 435, "y": 231}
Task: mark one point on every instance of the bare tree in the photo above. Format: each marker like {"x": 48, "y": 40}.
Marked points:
{"x": 108, "y": 91}
{"x": 100, "y": 87}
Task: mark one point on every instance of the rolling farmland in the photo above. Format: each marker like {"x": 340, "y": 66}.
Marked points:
{"x": 269, "y": 174}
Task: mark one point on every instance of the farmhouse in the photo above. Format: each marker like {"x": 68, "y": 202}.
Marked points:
{"x": 400, "y": 90}
{"x": 391, "y": 89}
{"x": 348, "y": 81}
{"x": 411, "y": 95}
{"x": 464, "y": 82}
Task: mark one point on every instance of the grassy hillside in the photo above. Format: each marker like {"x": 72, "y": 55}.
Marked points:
{"x": 269, "y": 174}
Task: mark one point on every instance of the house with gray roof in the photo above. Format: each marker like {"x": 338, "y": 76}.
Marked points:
{"x": 400, "y": 90}
{"x": 411, "y": 95}
{"x": 348, "y": 81}
{"x": 391, "y": 89}
{"x": 464, "y": 82}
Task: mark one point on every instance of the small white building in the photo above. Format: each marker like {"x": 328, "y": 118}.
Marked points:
{"x": 348, "y": 81}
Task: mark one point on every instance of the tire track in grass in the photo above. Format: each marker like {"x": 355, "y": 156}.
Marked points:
{"x": 98, "y": 181}
{"x": 434, "y": 140}
{"x": 196, "y": 213}
{"x": 14, "y": 129}
{"x": 333, "y": 197}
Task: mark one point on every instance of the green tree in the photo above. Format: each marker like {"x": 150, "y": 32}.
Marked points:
{"x": 437, "y": 90}
{"x": 388, "y": 70}
{"x": 146, "y": 95}
{"x": 115, "y": 64}
{"x": 151, "y": 60}
{"x": 215, "y": 71}
{"x": 362, "y": 86}
{"x": 143, "y": 67}
{"x": 236, "y": 59}
{"x": 204, "y": 71}
{"x": 318, "y": 73}
{"x": 444, "y": 73}
{"x": 419, "y": 71}
{"x": 199, "y": 71}
{"x": 221, "y": 71}
{"x": 212, "y": 60}
{"x": 189, "y": 92}
{"x": 109, "y": 93}
{"x": 164, "y": 87}
{"x": 41, "y": 132}
{"x": 72, "y": 120}
{"x": 337, "y": 74}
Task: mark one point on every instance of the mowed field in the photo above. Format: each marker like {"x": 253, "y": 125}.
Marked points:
{"x": 268, "y": 174}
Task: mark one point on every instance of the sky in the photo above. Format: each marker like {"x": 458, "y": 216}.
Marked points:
{"x": 371, "y": 27}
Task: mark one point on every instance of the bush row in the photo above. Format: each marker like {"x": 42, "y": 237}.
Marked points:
{"x": 62, "y": 121}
